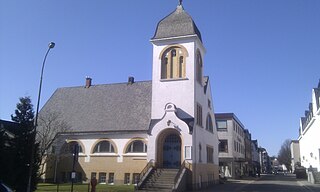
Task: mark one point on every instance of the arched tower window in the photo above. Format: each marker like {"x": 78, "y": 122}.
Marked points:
{"x": 173, "y": 64}
{"x": 103, "y": 147}
{"x": 199, "y": 67}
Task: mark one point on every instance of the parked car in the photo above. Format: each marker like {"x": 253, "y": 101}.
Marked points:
{"x": 4, "y": 188}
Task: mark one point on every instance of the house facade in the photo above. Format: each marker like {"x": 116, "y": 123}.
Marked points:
{"x": 255, "y": 156}
{"x": 232, "y": 153}
{"x": 264, "y": 160}
{"x": 248, "y": 154}
{"x": 309, "y": 132}
{"x": 119, "y": 128}
{"x": 295, "y": 153}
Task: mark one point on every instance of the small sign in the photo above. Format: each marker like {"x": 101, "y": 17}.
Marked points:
{"x": 187, "y": 152}
{"x": 73, "y": 175}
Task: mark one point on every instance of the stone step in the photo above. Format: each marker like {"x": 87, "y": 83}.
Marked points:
{"x": 147, "y": 190}
{"x": 157, "y": 187}
{"x": 159, "y": 184}
{"x": 160, "y": 180}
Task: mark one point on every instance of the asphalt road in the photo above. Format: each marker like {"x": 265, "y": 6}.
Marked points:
{"x": 266, "y": 183}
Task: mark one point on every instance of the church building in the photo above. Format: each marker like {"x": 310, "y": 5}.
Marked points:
{"x": 125, "y": 130}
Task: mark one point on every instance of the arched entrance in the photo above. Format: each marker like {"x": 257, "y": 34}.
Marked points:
{"x": 171, "y": 151}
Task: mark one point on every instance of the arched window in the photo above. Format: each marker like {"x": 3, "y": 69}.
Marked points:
{"x": 209, "y": 125}
{"x": 103, "y": 147}
{"x": 173, "y": 64}
{"x": 199, "y": 67}
{"x": 136, "y": 146}
{"x": 69, "y": 148}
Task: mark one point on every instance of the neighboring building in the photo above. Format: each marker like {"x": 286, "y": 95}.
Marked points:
{"x": 248, "y": 153}
{"x": 309, "y": 133}
{"x": 9, "y": 128}
{"x": 265, "y": 162}
{"x": 9, "y": 163}
{"x": 167, "y": 121}
{"x": 231, "y": 134}
{"x": 275, "y": 165}
{"x": 255, "y": 156}
{"x": 295, "y": 154}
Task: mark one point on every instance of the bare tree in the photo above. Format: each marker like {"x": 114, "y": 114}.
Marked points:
{"x": 50, "y": 124}
{"x": 284, "y": 155}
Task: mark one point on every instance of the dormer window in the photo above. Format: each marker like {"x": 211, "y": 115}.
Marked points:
{"x": 173, "y": 65}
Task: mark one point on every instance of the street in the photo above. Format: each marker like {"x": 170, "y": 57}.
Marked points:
{"x": 266, "y": 183}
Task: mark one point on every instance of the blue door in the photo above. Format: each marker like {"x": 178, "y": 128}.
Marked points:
{"x": 172, "y": 151}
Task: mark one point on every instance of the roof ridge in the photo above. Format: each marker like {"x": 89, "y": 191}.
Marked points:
{"x": 106, "y": 84}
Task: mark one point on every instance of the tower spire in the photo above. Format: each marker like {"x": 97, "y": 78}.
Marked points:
{"x": 180, "y": 2}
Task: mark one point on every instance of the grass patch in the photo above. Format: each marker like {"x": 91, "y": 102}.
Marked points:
{"x": 66, "y": 187}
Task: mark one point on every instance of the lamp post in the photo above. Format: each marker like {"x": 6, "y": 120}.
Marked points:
{"x": 50, "y": 46}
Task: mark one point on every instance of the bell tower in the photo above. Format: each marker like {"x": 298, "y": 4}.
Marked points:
{"x": 177, "y": 71}
{"x": 182, "y": 127}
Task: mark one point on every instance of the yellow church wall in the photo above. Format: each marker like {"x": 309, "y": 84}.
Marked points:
{"x": 105, "y": 164}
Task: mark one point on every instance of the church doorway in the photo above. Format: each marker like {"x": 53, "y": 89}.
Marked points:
{"x": 172, "y": 151}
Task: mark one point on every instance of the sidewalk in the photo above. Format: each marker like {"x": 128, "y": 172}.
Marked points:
{"x": 231, "y": 185}
{"x": 308, "y": 186}
{"x": 237, "y": 185}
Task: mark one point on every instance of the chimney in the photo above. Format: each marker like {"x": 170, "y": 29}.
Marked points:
{"x": 88, "y": 82}
{"x": 130, "y": 80}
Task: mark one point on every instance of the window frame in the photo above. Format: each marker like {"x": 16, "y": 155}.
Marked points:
{"x": 224, "y": 129}
{"x": 102, "y": 177}
{"x": 199, "y": 119}
{"x": 97, "y": 146}
{"x": 199, "y": 68}
{"x": 226, "y": 146}
{"x": 126, "y": 178}
{"x": 173, "y": 62}
{"x": 209, "y": 123}
{"x": 210, "y": 153}
{"x": 135, "y": 178}
{"x": 131, "y": 147}
{"x": 111, "y": 178}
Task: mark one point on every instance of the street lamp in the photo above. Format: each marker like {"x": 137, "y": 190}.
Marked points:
{"x": 50, "y": 46}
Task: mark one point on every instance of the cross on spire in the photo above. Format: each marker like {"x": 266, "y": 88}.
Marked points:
{"x": 180, "y": 2}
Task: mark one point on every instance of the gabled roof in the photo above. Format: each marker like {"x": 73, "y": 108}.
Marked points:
{"x": 10, "y": 127}
{"x": 108, "y": 107}
{"x": 178, "y": 23}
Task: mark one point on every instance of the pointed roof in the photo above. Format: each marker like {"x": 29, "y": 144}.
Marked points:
{"x": 178, "y": 23}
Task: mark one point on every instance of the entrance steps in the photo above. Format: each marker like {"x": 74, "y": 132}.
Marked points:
{"x": 160, "y": 180}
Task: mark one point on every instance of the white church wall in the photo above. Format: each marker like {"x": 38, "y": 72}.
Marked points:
{"x": 310, "y": 143}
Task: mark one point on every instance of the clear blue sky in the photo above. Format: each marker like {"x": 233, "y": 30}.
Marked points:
{"x": 263, "y": 57}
